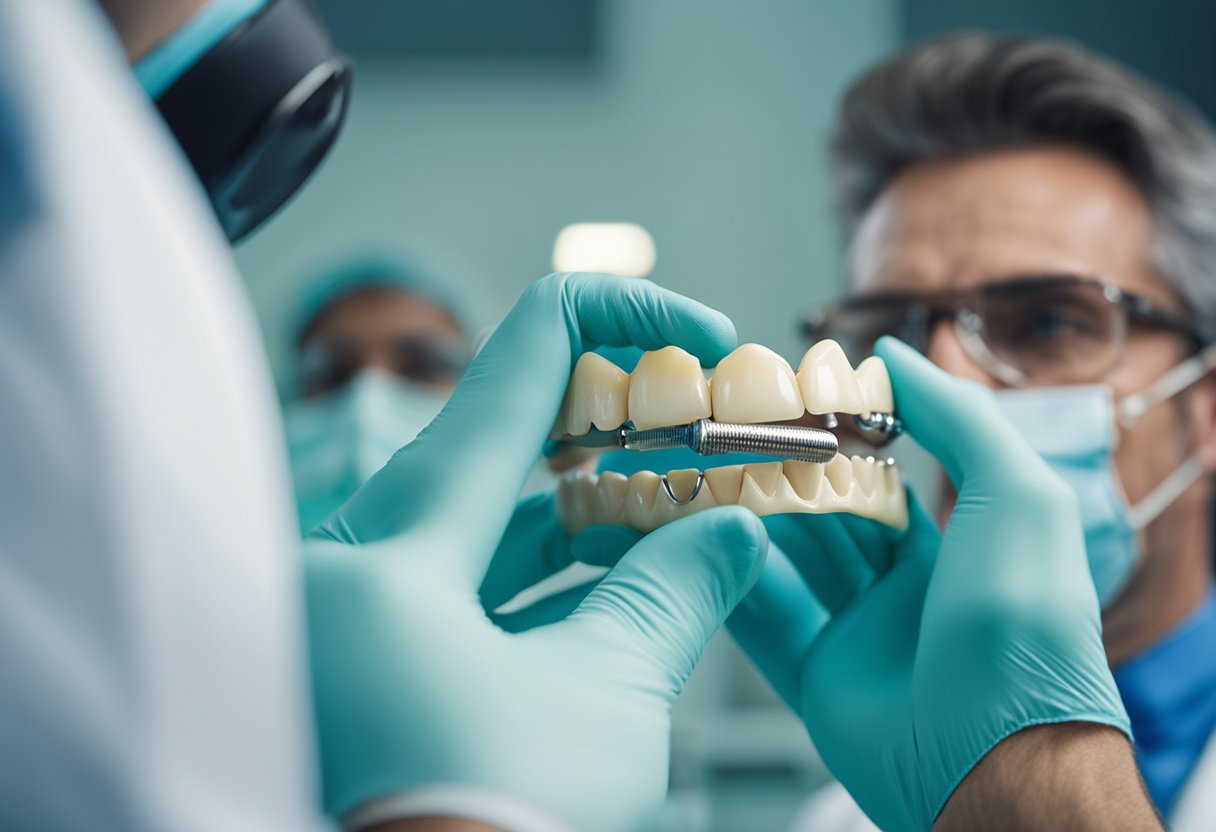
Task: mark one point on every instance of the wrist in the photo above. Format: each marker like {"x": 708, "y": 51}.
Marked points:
{"x": 1074, "y": 775}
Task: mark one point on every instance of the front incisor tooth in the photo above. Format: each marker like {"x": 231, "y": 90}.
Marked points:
{"x": 598, "y": 394}
{"x": 725, "y": 483}
{"x": 754, "y": 384}
{"x": 805, "y": 478}
{"x": 875, "y": 384}
{"x": 839, "y": 474}
{"x": 827, "y": 382}
{"x": 667, "y": 388}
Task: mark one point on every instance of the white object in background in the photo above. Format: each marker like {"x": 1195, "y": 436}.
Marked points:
{"x": 620, "y": 248}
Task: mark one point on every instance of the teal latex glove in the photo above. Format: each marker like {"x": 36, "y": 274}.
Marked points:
{"x": 415, "y": 686}
{"x": 936, "y": 647}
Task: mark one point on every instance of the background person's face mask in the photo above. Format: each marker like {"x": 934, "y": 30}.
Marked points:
{"x": 337, "y": 441}
{"x": 1075, "y": 429}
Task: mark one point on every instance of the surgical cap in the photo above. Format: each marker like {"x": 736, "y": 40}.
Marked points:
{"x": 317, "y": 293}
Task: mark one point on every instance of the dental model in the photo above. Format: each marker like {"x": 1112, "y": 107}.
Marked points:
{"x": 671, "y": 404}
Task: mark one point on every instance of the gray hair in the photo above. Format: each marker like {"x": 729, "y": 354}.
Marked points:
{"x": 971, "y": 93}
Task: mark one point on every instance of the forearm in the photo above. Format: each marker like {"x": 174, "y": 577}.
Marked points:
{"x": 1076, "y": 776}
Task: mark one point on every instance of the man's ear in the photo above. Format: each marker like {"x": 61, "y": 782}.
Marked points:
{"x": 1201, "y": 406}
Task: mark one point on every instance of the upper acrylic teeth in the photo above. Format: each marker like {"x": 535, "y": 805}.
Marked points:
{"x": 667, "y": 388}
{"x": 751, "y": 385}
{"x": 875, "y": 385}
{"x": 860, "y": 486}
{"x": 598, "y": 395}
{"x": 827, "y": 382}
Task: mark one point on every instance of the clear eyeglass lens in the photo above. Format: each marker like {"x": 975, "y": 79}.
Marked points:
{"x": 1065, "y": 333}
{"x": 1024, "y": 332}
{"x": 856, "y": 329}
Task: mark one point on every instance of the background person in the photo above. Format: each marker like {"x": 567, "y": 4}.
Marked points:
{"x": 1043, "y": 222}
{"x": 379, "y": 349}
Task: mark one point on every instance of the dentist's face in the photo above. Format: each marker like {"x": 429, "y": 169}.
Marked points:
{"x": 1040, "y": 211}
{"x": 387, "y": 329}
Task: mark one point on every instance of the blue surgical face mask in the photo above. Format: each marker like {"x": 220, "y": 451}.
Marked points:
{"x": 1076, "y": 430}
{"x": 337, "y": 441}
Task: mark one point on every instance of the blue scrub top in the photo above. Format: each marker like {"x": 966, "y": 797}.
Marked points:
{"x": 1170, "y": 694}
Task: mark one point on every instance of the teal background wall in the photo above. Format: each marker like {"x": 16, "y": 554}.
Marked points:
{"x": 703, "y": 120}
{"x": 1169, "y": 41}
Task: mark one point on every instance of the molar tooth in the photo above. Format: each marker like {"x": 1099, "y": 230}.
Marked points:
{"x": 760, "y": 485}
{"x": 683, "y": 482}
{"x": 827, "y": 382}
{"x": 875, "y": 384}
{"x": 766, "y": 476}
{"x": 667, "y": 388}
{"x": 598, "y": 394}
{"x": 804, "y": 477}
{"x": 754, "y": 384}
{"x": 574, "y": 502}
{"x": 640, "y": 495}
{"x": 610, "y": 497}
{"x": 863, "y": 473}
{"x": 896, "y": 514}
{"x": 890, "y": 479}
{"x": 839, "y": 474}
{"x": 725, "y": 483}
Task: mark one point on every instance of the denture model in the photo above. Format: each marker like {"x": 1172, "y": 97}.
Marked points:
{"x": 747, "y": 405}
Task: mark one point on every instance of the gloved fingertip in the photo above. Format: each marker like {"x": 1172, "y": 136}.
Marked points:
{"x": 721, "y": 337}
{"x": 744, "y": 538}
{"x": 895, "y": 352}
{"x": 737, "y": 526}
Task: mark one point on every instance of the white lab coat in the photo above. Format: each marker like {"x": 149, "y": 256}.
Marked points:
{"x": 831, "y": 809}
{"x": 152, "y": 663}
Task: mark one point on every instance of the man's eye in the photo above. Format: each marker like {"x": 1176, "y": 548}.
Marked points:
{"x": 1051, "y": 326}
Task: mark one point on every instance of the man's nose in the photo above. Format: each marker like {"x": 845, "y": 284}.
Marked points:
{"x": 946, "y": 350}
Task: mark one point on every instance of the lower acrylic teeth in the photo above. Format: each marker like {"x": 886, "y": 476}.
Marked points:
{"x": 865, "y": 487}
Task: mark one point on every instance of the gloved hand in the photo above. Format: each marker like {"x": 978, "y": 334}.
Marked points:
{"x": 936, "y": 647}
{"x": 415, "y": 687}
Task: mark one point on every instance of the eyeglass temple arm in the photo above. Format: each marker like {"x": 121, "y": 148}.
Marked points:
{"x": 1193, "y": 370}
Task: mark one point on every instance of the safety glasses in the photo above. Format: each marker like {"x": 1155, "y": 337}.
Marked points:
{"x": 327, "y": 364}
{"x": 1038, "y": 330}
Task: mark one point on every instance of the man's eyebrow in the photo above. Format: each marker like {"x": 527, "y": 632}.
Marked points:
{"x": 890, "y": 294}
